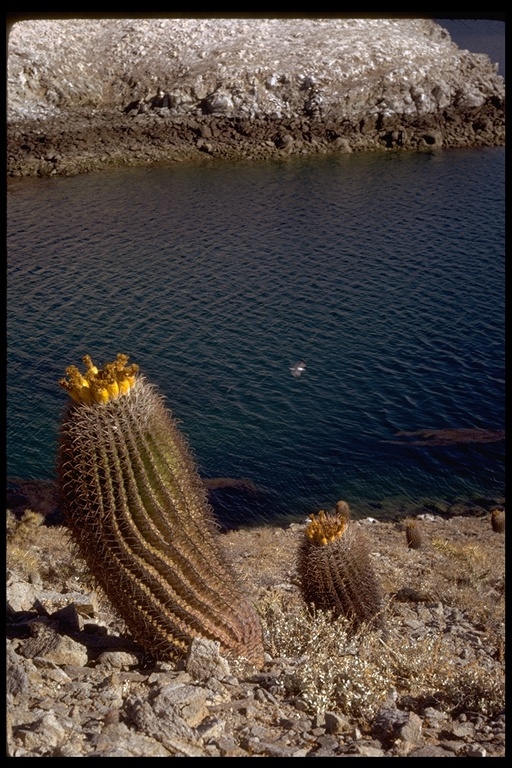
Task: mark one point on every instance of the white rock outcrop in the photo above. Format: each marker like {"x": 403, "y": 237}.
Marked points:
{"x": 369, "y": 77}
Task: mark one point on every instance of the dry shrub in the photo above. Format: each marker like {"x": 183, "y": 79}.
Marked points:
{"x": 475, "y": 690}
{"x": 334, "y": 669}
{"x": 429, "y": 669}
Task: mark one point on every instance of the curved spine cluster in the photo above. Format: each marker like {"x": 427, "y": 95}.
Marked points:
{"x": 138, "y": 511}
{"x": 336, "y": 572}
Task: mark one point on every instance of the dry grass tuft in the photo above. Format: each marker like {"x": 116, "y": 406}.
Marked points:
{"x": 35, "y": 550}
{"x": 471, "y": 577}
{"x": 20, "y": 535}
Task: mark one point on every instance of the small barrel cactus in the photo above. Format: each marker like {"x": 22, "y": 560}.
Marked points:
{"x": 343, "y": 509}
{"x": 335, "y": 570}
{"x": 414, "y": 534}
{"x": 498, "y": 520}
{"x": 138, "y": 513}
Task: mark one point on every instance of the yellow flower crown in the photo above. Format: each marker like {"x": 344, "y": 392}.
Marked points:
{"x": 324, "y": 528}
{"x": 100, "y": 385}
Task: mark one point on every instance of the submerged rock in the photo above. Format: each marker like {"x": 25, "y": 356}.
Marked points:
{"x": 451, "y": 436}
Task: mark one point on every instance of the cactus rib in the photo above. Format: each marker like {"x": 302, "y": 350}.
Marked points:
{"x": 138, "y": 513}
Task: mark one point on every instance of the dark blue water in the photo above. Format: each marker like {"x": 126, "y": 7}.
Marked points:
{"x": 479, "y": 35}
{"x": 383, "y": 272}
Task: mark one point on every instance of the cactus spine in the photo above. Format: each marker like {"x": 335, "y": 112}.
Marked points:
{"x": 336, "y": 572}
{"x": 138, "y": 512}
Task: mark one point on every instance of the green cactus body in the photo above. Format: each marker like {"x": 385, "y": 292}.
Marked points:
{"x": 336, "y": 572}
{"x": 138, "y": 511}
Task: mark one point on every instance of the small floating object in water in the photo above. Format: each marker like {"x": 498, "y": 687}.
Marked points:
{"x": 298, "y": 369}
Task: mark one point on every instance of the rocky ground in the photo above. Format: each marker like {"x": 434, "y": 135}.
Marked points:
{"x": 89, "y": 94}
{"x": 430, "y": 685}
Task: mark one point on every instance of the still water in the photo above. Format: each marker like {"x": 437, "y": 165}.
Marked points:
{"x": 384, "y": 273}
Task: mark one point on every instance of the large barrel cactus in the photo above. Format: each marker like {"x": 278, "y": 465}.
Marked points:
{"x": 138, "y": 511}
{"x": 335, "y": 570}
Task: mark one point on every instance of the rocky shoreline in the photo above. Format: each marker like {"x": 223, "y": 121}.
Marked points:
{"x": 87, "y": 95}
{"x": 432, "y": 685}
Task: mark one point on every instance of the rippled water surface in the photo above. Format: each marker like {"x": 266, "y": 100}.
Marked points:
{"x": 384, "y": 273}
